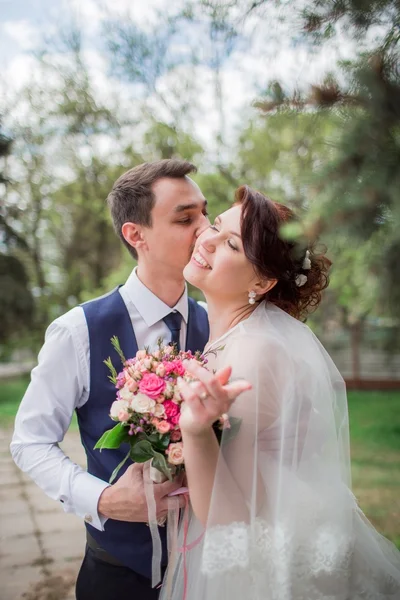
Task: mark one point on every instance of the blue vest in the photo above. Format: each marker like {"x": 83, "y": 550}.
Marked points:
{"x": 129, "y": 543}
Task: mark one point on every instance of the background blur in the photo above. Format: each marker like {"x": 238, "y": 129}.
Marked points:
{"x": 298, "y": 98}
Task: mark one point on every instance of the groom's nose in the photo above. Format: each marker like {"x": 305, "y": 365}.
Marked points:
{"x": 203, "y": 225}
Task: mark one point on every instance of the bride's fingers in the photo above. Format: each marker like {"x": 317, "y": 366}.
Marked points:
{"x": 211, "y": 382}
{"x": 223, "y": 375}
{"x": 189, "y": 393}
{"x": 236, "y": 388}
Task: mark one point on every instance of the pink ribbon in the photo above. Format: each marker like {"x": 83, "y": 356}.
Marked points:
{"x": 187, "y": 547}
{"x": 172, "y": 533}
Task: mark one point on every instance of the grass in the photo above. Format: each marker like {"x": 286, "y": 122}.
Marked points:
{"x": 375, "y": 458}
{"x": 11, "y": 393}
{"x": 375, "y": 450}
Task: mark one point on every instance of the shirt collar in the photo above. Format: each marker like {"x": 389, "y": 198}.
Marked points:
{"x": 149, "y": 306}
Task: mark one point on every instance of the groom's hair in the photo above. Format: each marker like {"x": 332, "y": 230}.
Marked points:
{"x": 132, "y": 199}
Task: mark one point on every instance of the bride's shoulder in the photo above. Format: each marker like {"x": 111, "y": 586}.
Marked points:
{"x": 270, "y": 330}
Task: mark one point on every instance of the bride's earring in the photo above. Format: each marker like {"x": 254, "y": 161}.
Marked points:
{"x": 252, "y": 297}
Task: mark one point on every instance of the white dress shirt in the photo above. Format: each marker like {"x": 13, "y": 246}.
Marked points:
{"x": 60, "y": 384}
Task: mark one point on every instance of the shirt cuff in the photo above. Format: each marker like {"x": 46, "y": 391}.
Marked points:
{"x": 86, "y": 492}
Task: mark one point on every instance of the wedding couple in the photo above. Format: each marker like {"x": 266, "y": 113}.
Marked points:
{"x": 272, "y": 515}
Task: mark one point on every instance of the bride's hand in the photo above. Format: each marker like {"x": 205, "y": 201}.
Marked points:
{"x": 207, "y": 399}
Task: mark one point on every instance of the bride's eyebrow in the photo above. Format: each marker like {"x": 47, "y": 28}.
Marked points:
{"x": 232, "y": 232}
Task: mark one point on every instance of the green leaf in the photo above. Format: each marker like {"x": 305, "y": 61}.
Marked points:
{"x": 113, "y": 376}
{"x": 113, "y": 438}
{"x": 230, "y": 433}
{"x": 159, "y": 462}
{"x": 116, "y": 345}
{"x": 159, "y": 441}
{"x": 291, "y": 231}
{"x": 117, "y": 468}
{"x": 141, "y": 451}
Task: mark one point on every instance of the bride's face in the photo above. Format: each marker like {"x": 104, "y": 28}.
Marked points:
{"x": 218, "y": 265}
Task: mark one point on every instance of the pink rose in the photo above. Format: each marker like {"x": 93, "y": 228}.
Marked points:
{"x": 179, "y": 368}
{"x": 141, "y": 354}
{"x": 163, "y": 427}
{"x": 176, "y": 435}
{"x": 171, "y": 409}
{"x": 175, "y": 453}
{"x": 131, "y": 383}
{"x": 175, "y": 420}
{"x": 174, "y": 366}
{"x": 151, "y": 385}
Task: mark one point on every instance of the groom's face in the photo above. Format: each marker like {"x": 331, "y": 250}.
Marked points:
{"x": 178, "y": 217}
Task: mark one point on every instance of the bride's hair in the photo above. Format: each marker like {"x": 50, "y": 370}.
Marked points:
{"x": 274, "y": 257}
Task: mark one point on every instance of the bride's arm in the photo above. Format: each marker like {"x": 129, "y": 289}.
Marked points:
{"x": 239, "y": 483}
{"x": 201, "y": 458}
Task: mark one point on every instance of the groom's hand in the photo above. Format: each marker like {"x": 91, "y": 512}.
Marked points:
{"x": 126, "y": 499}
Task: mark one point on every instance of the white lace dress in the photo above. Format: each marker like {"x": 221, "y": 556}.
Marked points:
{"x": 283, "y": 523}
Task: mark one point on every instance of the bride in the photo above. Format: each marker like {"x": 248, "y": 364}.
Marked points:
{"x": 272, "y": 512}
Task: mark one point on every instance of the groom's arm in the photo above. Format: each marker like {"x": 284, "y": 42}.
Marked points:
{"x": 57, "y": 387}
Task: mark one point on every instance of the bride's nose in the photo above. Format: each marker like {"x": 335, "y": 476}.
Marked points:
{"x": 209, "y": 242}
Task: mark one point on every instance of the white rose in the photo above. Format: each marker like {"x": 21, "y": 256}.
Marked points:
{"x": 175, "y": 454}
{"x": 125, "y": 394}
{"x": 159, "y": 411}
{"x": 160, "y": 371}
{"x": 116, "y": 408}
{"x": 147, "y": 363}
{"x": 142, "y": 403}
{"x": 169, "y": 390}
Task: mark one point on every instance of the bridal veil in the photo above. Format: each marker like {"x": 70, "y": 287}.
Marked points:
{"x": 283, "y": 523}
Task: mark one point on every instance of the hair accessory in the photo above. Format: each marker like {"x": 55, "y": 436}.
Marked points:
{"x": 306, "y": 266}
{"x": 252, "y": 297}
{"x": 301, "y": 279}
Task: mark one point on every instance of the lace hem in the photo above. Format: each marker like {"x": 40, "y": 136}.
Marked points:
{"x": 271, "y": 564}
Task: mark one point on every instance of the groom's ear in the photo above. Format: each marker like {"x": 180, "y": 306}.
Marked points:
{"x": 133, "y": 234}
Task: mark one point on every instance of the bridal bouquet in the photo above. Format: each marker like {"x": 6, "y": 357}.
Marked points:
{"x": 147, "y": 409}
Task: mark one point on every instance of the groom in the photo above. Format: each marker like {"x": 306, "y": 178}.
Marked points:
{"x": 158, "y": 212}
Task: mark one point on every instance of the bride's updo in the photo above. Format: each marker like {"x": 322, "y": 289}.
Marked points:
{"x": 276, "y": 258}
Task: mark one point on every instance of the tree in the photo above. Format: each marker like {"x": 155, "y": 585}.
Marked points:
{"x": 358, "y": 189}
{"x": 16, "y": 301}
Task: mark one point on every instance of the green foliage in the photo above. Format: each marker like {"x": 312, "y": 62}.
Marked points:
{"x": 113, "y": 376}
{"x": 113, "y": 438}
{"x": 11, "y": 393}
{"x": 143, "y": 451}
{"x": 116, "y": 345}
{"x": 375, "y": 420}
{"x": 355, "y": 189}
{"x": 16, "y": 301}
{"x": 166, "y": 141}
{"x": 119, "y": 466}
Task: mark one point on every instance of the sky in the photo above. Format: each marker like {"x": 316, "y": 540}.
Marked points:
{"x": 268, "y": 54}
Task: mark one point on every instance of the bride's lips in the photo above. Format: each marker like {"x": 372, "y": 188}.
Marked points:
{"x": 199, "y": 260}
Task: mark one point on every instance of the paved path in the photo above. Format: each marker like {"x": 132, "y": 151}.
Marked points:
{"x": 41, "y": 547}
